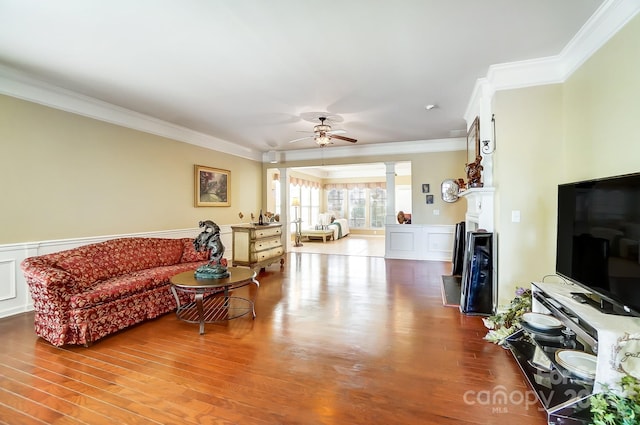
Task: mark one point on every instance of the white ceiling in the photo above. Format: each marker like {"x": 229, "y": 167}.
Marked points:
{"x": 249, "y": 72}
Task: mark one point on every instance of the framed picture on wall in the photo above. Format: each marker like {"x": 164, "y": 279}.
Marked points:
{"x": 473, "y": 141}
{"x": 429, "y": 199}
{"x": 425, "y": 188}
{"x": 212, "y": 187}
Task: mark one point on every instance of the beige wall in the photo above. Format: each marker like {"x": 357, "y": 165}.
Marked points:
{"x": 528, "y": 162}
{"x": 433, "y": 168}
{"x": 67, "y": 176}
{"x": 584, "y": 128}
{"x": 602, "y": 107}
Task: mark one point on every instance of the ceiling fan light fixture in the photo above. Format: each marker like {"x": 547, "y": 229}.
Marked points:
{"x": 323, "y": 139}
{"x": 321, "y": 128}
{"x": 323, "y": 134}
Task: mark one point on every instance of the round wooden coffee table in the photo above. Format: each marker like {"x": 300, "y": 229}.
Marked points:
{"x": 211, "y": 299}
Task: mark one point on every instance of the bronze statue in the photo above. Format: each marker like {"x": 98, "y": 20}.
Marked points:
{"x": 209, "y": 239}
{"x": 474, "y": 172}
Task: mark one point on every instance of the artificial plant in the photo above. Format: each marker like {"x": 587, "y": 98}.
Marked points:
{"x": 617, "y": 408}
{"x": 503, "y": 324}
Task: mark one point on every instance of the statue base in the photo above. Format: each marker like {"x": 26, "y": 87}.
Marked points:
{"x": 211, "y": 272}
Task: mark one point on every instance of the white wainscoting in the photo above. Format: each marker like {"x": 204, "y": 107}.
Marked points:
{"x": 419, "y": 241}
{"x": 14, "y": 292}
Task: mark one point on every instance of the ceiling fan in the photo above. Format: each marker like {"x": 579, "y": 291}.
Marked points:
{"x": 322, "y": 134}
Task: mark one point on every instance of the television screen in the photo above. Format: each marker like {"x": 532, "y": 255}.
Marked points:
{"x": 598, "y": 237}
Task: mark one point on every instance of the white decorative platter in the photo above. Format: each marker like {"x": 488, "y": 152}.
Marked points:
{"x": 577, "y": 362}
{"x": 542, "y": 321}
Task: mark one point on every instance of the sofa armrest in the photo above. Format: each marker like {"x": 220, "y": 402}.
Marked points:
{"x": 47, "y": 283}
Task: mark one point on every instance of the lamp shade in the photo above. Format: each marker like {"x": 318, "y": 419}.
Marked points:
{"x": 295, "y": 202}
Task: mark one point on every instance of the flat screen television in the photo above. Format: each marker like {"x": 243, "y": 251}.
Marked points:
{"x": 598, "y": 238}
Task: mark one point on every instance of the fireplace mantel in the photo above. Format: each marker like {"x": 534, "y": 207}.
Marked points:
{"x": 479, "y": 208}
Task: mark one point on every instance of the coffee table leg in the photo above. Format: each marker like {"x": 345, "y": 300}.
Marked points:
{"x": 175, "y": 295}
{"x": 253, "y": 302}
{"x": 200, "y": 308}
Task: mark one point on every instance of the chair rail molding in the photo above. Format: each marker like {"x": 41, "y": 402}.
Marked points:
{"x": 419, "y": 241}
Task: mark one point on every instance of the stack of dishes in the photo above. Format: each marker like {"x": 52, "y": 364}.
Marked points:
{"x": 542, "y": 323}
{"x": 578, "y": 363}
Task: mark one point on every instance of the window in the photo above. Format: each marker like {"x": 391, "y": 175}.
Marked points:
{"x": 357, "y": 208}
{"x": 305, "y": 205}
{"x": 315, "y": 205}
{"x": 335, "y": 202}
{"x": 377, "y": 207}
{"x": 365, "y": 208}
{"x": 309, "y": 208}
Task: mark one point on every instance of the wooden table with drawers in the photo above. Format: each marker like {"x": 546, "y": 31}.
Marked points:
{"x": 257, "y": 246}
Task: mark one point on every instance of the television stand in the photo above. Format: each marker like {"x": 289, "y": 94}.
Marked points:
{"x": 611, "y": 337}
{"x": 603, "y": 305}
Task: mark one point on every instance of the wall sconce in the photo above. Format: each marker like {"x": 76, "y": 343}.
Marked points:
{"x": 486, "y": 146}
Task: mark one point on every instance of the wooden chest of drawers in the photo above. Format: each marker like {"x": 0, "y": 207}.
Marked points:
{"x": 257, "y": 246}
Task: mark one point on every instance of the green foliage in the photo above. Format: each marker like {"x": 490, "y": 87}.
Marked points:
{"x": 611, "y": 408}
{"x": 503, "y": 324}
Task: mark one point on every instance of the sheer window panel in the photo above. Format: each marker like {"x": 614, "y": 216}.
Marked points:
{"x": 377, "y": 208}
{"x": 357, "y": 208}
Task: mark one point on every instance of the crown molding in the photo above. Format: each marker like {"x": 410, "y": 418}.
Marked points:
{"x": 610, "y": 17}
{"x": 16, "y": 84}
{"x": 19, "y": 85}
{"x": 376, "y": 149}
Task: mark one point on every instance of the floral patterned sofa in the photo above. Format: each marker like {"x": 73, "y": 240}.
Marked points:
{"x": 83, "y": 294}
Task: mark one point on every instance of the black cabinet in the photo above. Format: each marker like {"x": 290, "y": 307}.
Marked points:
{"x": 458, "y": 249}
{"x": 477, "y": 294}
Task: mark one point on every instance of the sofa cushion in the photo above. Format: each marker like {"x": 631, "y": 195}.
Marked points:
{"x": 189, "y": 253}
{"x": 121, "y": 287}
{"x": 117, "y": 257}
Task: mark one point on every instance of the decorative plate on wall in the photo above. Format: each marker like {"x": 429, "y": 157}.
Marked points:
{"x": 450, "y": 190}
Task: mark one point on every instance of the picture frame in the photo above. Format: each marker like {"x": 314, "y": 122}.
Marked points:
{"x": 473, "y": 141}
{"x": 429, "y": 199}
{"x": 212, "y": 187}
{"x": 425, "y": 188}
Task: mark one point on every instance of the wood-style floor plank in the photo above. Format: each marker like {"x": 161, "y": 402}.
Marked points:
{"x": 337, "y": 340}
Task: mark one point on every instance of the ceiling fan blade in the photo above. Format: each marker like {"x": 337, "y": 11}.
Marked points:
{"x": 301, "y": 139}
{"x": 336, "y": 131}
{"x": 346, "y": 139}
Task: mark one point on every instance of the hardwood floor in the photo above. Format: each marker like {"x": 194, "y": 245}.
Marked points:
{"x": 337, "y": 340}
